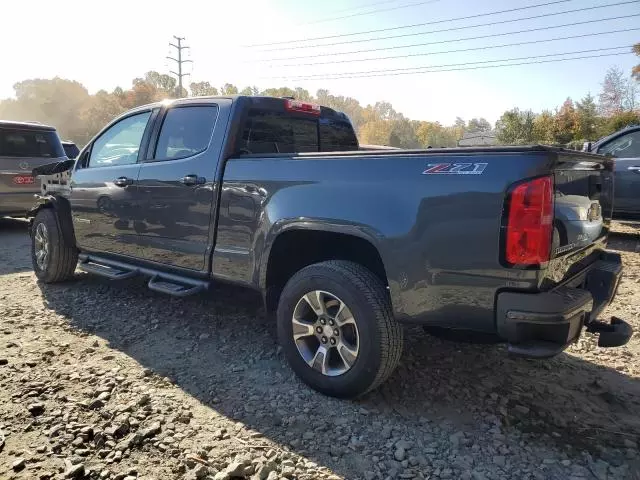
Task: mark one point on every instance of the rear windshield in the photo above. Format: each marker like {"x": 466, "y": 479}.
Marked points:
{"x": 276, "y": 132}
{"x": 30, "y": 143}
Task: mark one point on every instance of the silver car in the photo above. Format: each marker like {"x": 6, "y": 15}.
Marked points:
{"x": 24, "y": 146}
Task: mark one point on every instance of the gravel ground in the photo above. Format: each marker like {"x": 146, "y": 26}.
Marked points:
{"x": 112, "y": 381}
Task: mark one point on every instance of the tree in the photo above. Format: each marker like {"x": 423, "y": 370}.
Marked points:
{"x": 202, "y": 89}
{"x": 544, "y": 128}
{"x": 635, "y": 72}
{"x": 516, "y": 127}
{"x": 621, "y": 120}
{"x": 566, "y": 122}
{"x": 478, "y": 125}
{"x": 618, "y": 94}
{"x": 229, "y": 89}
{"x": 587, "y": 116}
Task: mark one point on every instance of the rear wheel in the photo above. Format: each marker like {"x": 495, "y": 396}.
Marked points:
{"x": 337, "y": 329}
{"x": 53, "y": 258}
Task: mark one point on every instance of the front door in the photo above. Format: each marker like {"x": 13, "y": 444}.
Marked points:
{"x": 177, "y": 184}
{"x": 105, "y": 199}
{"x": 626, "y": 149}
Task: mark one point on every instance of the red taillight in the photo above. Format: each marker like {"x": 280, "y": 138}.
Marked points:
{"x": 297, "y": 106}
{"x": 530, "y": 223}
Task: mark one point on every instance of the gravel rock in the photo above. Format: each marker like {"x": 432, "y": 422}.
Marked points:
{"x": 399, "y": 454}
{"x": 36, "y": 409}
{"x": 19, "y": 464}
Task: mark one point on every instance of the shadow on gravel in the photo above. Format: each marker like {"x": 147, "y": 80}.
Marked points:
{"x": 223, "y": 352}
{"x": 14, "y": 246}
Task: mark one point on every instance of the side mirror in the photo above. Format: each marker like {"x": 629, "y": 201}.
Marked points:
{"x": 586, "y": 147}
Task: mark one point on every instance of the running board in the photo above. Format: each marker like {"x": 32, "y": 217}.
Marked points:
{"x": 107, "y": 271}
{"x": 163, "y": 282}
{"x": 162, "y": 285}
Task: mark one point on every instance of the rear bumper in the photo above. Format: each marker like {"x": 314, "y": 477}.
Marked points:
{"x": 16, "y": 203}
{"x": 544, "y": 324}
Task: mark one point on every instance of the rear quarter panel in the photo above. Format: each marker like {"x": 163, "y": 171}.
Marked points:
{"x": 438, "y": 234}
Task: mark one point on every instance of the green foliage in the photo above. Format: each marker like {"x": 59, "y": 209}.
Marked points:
{"x": 202, "y": 89}
{"x": 516, "y": 127}
{"x": 621, "y": 120}
{"x": 478, "y": 125}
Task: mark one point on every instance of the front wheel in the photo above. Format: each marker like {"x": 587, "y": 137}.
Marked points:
{"x": 337, "y": 329}
{"x": 53, "y": 258}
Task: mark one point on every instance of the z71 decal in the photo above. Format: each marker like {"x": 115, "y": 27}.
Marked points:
{"x": 455, "y": 169}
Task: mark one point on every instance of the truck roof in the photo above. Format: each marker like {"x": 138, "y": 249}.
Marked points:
{"x": 258, "y": 101}
{"x": 26, "y": 125}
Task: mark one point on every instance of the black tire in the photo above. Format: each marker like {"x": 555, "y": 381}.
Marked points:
{"x": 62, "y": 257}
{"x": 379, "y": 334}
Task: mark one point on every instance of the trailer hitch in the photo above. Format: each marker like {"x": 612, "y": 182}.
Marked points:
{"x": 613, "y": 334}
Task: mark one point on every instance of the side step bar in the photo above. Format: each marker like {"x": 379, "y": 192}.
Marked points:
{"x": 169, "y": 283}
{"x": 106, "y": 271}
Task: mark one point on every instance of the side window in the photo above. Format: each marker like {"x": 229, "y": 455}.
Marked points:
{"x": 120, "y": 144}
{"x": 626, "y": 146}
{"x": 185, "y": 131}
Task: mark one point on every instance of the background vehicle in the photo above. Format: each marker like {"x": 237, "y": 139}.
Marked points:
{"x": 24, "y": 146}
{"x": 624, "y": 145}
{"x": 342, "y": 245}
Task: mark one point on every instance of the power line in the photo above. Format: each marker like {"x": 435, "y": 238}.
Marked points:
{"x": 451, "y": 29}
{"x": 367, "y": 73}
{"x": 393, "y": 57}
{"x": 179, "y": 47}
{"x": 361, "y": 6}
{"x": 480, "y": 67}
{"x": 440, "y": 42}
{"x": 434, "y": 22}
{"x": 360, "y": 14}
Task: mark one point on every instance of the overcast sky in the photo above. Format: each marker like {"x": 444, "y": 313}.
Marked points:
{"x": 106, "y": 46}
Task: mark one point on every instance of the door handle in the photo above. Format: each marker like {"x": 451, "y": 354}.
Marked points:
{"x": 123, "y": 181}
{"x": 190, "y": 180}
{"x": 635, "y": 168}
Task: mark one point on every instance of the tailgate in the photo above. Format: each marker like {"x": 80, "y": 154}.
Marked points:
{"x": 582, "y": 212}
{"x": 16, "y": 175}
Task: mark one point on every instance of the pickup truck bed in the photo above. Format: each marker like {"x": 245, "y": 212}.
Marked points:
{"x": 343, "y": 245}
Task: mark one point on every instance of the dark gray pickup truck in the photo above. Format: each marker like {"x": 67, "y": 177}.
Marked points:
{"x": 344, "y": 244}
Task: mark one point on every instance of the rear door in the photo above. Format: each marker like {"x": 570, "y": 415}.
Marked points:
{"x": 626, "y": 149}
{"x": 22, "y": 150}
{"x": 177, "y": 183}
{"x": 105, "y": 200}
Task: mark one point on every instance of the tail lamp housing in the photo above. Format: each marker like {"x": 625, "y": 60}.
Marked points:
{"x": 528, "y": 229}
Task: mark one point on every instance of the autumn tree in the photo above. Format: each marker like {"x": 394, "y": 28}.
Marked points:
{"x": 566, "y": 122}
{"x": 544, "y": 128}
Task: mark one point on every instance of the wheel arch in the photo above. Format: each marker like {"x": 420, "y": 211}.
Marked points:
{"x": 283, "y": 257}
{"x": 62, "y": 209}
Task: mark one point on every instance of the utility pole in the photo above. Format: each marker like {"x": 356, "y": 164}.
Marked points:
{"x": 179, "y": 47}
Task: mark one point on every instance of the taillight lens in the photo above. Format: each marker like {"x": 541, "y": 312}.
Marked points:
{"x": 530, "y": 223}
{"x": 297, "y": 106}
